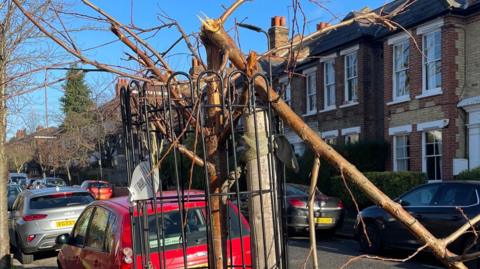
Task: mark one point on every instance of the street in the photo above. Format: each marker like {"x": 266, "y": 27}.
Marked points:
{"x": 332, "y": 253}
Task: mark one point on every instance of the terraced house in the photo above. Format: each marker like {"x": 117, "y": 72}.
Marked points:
{"x": 418, "y": 88}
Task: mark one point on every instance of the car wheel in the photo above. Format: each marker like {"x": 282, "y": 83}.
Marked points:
{"x": 375, "y": 245}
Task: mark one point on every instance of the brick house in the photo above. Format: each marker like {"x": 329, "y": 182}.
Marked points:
{"x": 335, "y": 88}
{"x": 431, "y": 94}
{"x": 418, "y": 90}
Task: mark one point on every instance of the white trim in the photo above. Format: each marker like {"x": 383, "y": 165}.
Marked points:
{"x": 346, "y": 78}
{"x": 395, "y": 71}
{"x": 329, "y": 134}
{"x": 430, "y": 26}
{"x": 432, "y": 125}
{"x": 325, "y": 86}
{"x": 398, "y": 38}
{"x": 434, "y": 91}
{"x": 430, "y": 93}
{"x": 309, "y": 113}
{"x": 399, "y": 101}
{"x": 348, "y": 104}
{"x": 329, "y": 57}
{"x": 394, "y": 151}
{"x": 310, "y": 70}
{"x": 403, "y": 129}
{"x": 330, "y": 108}
{"x": 349, "y": 50}
{"x": 424, "y": 154}
{"x": 469, "y": 101}
{"x": 352, "y": 130}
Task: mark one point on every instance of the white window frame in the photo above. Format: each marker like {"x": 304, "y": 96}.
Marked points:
{"x": 350, "y": 131}
{"x": 395, "y": 157}
{"x": 328, "y": 136}
{"x": 424, "y": 153}
{"x": 327, "y": 84}
{"x": 346, "y": 78}
{"x": 426, "y": 92}
{"x": 308, "y": 73}
{"x": 287, "y": 90}
{"x": 406, "y": 96}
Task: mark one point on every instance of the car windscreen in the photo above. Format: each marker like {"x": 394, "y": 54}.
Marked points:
{"x": 63, "y": 199}
{"x": 99, "y": 185}
{"x": 195, "y": 229}
{"x": 16, "y": 179}
{"x": 54, "y": 182}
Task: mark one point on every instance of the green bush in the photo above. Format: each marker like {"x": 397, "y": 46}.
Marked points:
{"x": 473, "y": 174}
{"x": 393, "y": 184}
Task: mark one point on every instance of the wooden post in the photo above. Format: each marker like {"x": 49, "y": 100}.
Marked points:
{"x": 311, "y": 206}
{"x": 259, "y": 184}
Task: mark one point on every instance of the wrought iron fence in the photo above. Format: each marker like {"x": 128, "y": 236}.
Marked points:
{"x": 167, "y": 138}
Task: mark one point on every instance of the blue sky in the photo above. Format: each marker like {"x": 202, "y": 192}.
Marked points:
{"x": 145, "y": 14}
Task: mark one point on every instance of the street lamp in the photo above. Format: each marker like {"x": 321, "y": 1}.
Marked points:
{"x": 260, "y": 30}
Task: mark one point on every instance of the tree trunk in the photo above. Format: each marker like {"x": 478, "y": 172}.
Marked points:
{"x": 312, "y": 194}
{"x": 260, "y": 208}
{"x": 4, "y": 236}
{"x": 67, "y": 167}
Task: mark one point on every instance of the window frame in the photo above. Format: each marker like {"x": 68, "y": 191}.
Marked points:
{"x": 86, "y": 229}
{"x": 285, "y": 86}
{"x": 395, "y": 96}
{"x": 347, "y": 78}
{"x": 308, "y": 74}
{"x": 425, "y": 156}
{"x": 327, "y": 85}
{"x": 425, "y": 61}
{"x": 395, "y": 156}
{"x": 85, "y": 243}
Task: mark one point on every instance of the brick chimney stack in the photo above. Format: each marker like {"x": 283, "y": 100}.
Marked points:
{"x": 20, "y": 134}
{"x": 322, "y": 25}
{"x": 278, "y": 32}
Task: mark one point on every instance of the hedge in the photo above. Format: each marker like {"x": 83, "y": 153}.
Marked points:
{"x": 473, "y": 174}
{"x": 393, "y": 184}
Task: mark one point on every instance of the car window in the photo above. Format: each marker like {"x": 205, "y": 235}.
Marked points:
{"x": 422, "y": 196}
{"x": 61, "y": 199}
{"x": 456, "y": 195}
{"x": 13, "y": 191}
{"x": 97, "y": 229}
{"x": 80, "y": 229}
{"x": 110, "y": 233}
{"x": 294, "y": 191}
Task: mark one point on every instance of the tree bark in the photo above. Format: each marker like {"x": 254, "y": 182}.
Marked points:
{"x": 260, "y": 208}
{"x": 4, "y": 236}
{"x": 311, "y": 206}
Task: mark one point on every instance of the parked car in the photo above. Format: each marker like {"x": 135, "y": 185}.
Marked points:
{"x": 101, "y": 190}
{"x": 438, "y": 206}
{"x": 15, "y": 178}
{"x": 37, "y": 184}
{"x": 12, "y": 193}
{"x": 54, "y": 182}
{"x": 102, "y": 236}
{"x": 328, "y": 211}
{"x": 39, "y": 216}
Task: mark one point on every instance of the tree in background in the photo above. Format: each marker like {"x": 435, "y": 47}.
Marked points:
{"x": 19, "y": 153}
{"x": 77, "y": 99}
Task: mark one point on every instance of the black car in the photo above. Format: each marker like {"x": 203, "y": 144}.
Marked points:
{"x": 438, "y": 206}
{"x": 328, "y": 211}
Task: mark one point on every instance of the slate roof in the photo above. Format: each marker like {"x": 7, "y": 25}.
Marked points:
{"x": 418, "y": 12}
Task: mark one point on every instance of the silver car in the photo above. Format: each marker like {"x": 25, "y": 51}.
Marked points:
{"x": 39, "y": 216}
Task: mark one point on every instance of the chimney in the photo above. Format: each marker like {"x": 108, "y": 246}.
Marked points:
{"x": 322, "y": 25}
{"x": 278, "y": 32}
{"x": 121, "y": 82}
{"x": 196, "y": 68}
{"x": 20, "y": 134}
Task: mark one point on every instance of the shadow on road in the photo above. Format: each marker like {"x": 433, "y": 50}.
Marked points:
{"x": 45, "y": 260}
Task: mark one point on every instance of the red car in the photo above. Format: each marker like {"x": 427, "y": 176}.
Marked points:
{"x": 101, "y": 190}
{"x": 101, "y": 238}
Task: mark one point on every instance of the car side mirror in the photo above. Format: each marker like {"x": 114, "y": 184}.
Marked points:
{"x": 403, "y": 203}
{"x": 63, "y": 239}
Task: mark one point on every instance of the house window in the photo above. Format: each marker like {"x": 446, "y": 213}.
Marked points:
{"x": 329, "y": 84}
{"x": 401, "y": 81}
{"x": 351, "y": 138}
{"x": 331, "y": 140}
{"x": 401, "y": 153}
{"x": 311, "y": 93}
{"x": 432, "y": 148}
{"x": 351, "y": 78}
{"x": 432, "y": 68}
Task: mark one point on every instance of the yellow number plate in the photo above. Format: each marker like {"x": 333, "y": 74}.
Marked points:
{"x": 324, "y": 220}
{"x": 64, "y": 223}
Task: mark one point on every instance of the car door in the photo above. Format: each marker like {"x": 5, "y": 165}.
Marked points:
{"x": 71, "y": 252}
{"x": 418, "y": 203}
{"x": 14, "y": 215}
{"x": 98, "y": 250}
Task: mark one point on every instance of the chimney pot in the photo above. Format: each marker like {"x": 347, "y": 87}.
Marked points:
{"x": 283, "y": 21}
{"x": 322, "y": 25}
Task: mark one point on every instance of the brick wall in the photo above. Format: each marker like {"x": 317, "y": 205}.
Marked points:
{"x": 430, "y": 108}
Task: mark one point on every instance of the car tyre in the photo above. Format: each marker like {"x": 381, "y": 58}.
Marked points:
{"x": 375, "y": 245}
